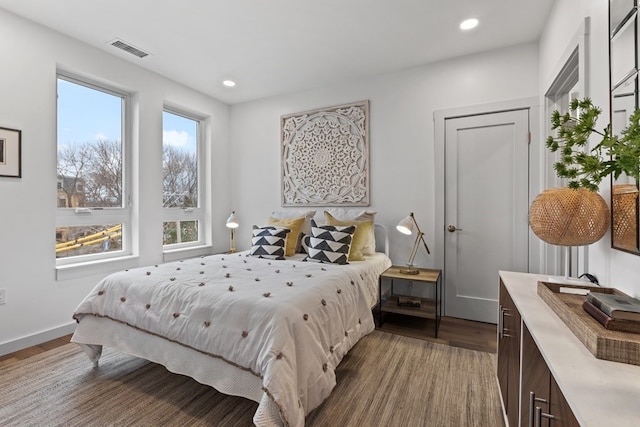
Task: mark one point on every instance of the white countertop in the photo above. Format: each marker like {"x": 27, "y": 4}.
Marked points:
{"x": 600, "y": 392}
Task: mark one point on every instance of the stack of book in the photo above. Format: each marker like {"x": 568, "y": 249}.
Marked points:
{"x": 405, "y": 301}
{"x": 615, "y": 312}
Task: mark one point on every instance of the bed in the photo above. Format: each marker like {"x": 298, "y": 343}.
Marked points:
{"x": 272, "y": 331}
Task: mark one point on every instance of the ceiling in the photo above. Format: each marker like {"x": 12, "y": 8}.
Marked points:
{"x": 271, "y": 47}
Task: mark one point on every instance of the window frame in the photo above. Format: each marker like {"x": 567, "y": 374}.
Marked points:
{"x": 108, "y": 215}
{"x": 196, "y": 213}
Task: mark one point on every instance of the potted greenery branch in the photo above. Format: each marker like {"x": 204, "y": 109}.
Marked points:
{"x": 577, "y": 215}
{"x": 614, "y": 154}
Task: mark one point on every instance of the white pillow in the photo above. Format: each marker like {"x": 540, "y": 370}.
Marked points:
{"x": 352, "y": 214}
{"x": 342, "y": 214}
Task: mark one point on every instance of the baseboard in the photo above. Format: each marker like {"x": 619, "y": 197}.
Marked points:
{"x": 35, "y": 339}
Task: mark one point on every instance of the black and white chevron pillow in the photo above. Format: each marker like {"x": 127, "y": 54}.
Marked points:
{"x": 268, "y": 242}
{"x": 330, "y": 243}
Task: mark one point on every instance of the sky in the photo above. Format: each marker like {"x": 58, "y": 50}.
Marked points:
{"x": 86, "y": 115}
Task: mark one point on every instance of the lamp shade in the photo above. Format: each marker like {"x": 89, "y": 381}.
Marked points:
{"x": 405, "y": 226}
{"x": 232, "y": 221}
{"x": 568, "y": 217}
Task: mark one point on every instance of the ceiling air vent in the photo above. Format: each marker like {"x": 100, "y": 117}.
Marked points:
{"x": 122, "y": 45}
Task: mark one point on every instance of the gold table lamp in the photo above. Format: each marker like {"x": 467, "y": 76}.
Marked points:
{"x": 406, "y": 227}
{"x": 232, "y": 224}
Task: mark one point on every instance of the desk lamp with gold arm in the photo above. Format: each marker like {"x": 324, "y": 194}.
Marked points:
{"x": 406, "y": 227}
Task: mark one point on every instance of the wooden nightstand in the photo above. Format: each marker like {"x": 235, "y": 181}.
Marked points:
{"x": 430, "y": 308}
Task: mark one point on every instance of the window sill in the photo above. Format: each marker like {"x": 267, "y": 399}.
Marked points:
{"x": 106, "y": 266}
{"x": 103, "y": 266}
{"x": 183, "y": 253}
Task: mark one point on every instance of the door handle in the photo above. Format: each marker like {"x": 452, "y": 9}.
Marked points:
{"x": 453, "y": 228}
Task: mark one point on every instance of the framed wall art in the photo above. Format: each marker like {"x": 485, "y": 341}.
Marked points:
{"x": 10, "y": 153}
{"x": 325, "y": 156}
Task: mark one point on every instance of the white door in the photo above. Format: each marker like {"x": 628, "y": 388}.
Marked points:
{"x": 486, "y": 208}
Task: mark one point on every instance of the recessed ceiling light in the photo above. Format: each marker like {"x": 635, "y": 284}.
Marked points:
{"x": 229, "y": 83}
{"x": 468, "y": 24}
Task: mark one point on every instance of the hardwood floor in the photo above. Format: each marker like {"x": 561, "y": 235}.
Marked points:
{"x": 454, "y": 332}
{"x": 32, "y": 351}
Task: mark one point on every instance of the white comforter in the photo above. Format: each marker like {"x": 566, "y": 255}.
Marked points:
{"x": 287, "y": 322}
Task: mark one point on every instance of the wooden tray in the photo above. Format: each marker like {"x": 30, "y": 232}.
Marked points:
{"x": 603, "y": 343}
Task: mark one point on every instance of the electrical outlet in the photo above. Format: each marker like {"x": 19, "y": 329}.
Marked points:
{"x": 3, "y": 296}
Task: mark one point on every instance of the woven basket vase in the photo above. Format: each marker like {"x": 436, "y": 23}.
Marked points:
{"x": 567, "y": 217}
{"x": 624, "y": 202}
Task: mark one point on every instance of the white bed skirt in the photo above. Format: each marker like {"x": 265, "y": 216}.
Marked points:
{"x": 179, "y": 359}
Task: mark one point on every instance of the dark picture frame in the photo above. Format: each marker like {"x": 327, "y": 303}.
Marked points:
{"x": 10, "y": 153}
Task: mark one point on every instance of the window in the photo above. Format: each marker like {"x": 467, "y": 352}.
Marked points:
{"x": 93, "y": 218}
{"x": 181, "y": 184}
{"x": 569, "y": 83}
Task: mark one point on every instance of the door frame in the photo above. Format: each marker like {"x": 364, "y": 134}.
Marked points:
{"x": 574, "y": 61}
{"x": 536, "y": 148}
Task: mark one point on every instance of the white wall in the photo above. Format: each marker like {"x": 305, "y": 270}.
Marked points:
{"x": 401, "y": 136}
{"x": 36, "y": 302}
{"x": 613, "y": 267}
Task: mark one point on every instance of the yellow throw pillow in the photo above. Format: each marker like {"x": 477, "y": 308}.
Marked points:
{"x": 306, "y": 227}
{"x": 293, "y": 224}
{"x": 342, "y": 214}
{"x": 360, "y": 237}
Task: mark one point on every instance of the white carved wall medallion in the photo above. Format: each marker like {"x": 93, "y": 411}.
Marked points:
{"x": 325, "y": 156}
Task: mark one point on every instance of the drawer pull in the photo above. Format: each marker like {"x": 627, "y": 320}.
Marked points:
{"x": 540, "y": 415}
{"x": 532, "y": 406}
{"x": 501, "y": 328}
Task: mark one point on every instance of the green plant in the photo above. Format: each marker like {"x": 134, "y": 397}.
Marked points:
{"x": 613, "y": 155}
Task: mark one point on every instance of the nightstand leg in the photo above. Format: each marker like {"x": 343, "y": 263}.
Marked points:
{"x": 380, "y": 302}
{"x": 439, "y": 303}
{"x": 437, "y": 310}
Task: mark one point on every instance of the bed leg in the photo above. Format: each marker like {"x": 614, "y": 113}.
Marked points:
{"x": 93, "y": 351}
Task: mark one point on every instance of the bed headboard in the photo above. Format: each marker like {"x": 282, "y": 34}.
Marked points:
{"x": 382, "y": 239}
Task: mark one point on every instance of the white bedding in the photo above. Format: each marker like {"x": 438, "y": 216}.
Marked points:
{"x": 272, "y": 331}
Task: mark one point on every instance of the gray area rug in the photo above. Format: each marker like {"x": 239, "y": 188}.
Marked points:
{"x": 386, "y": 380}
